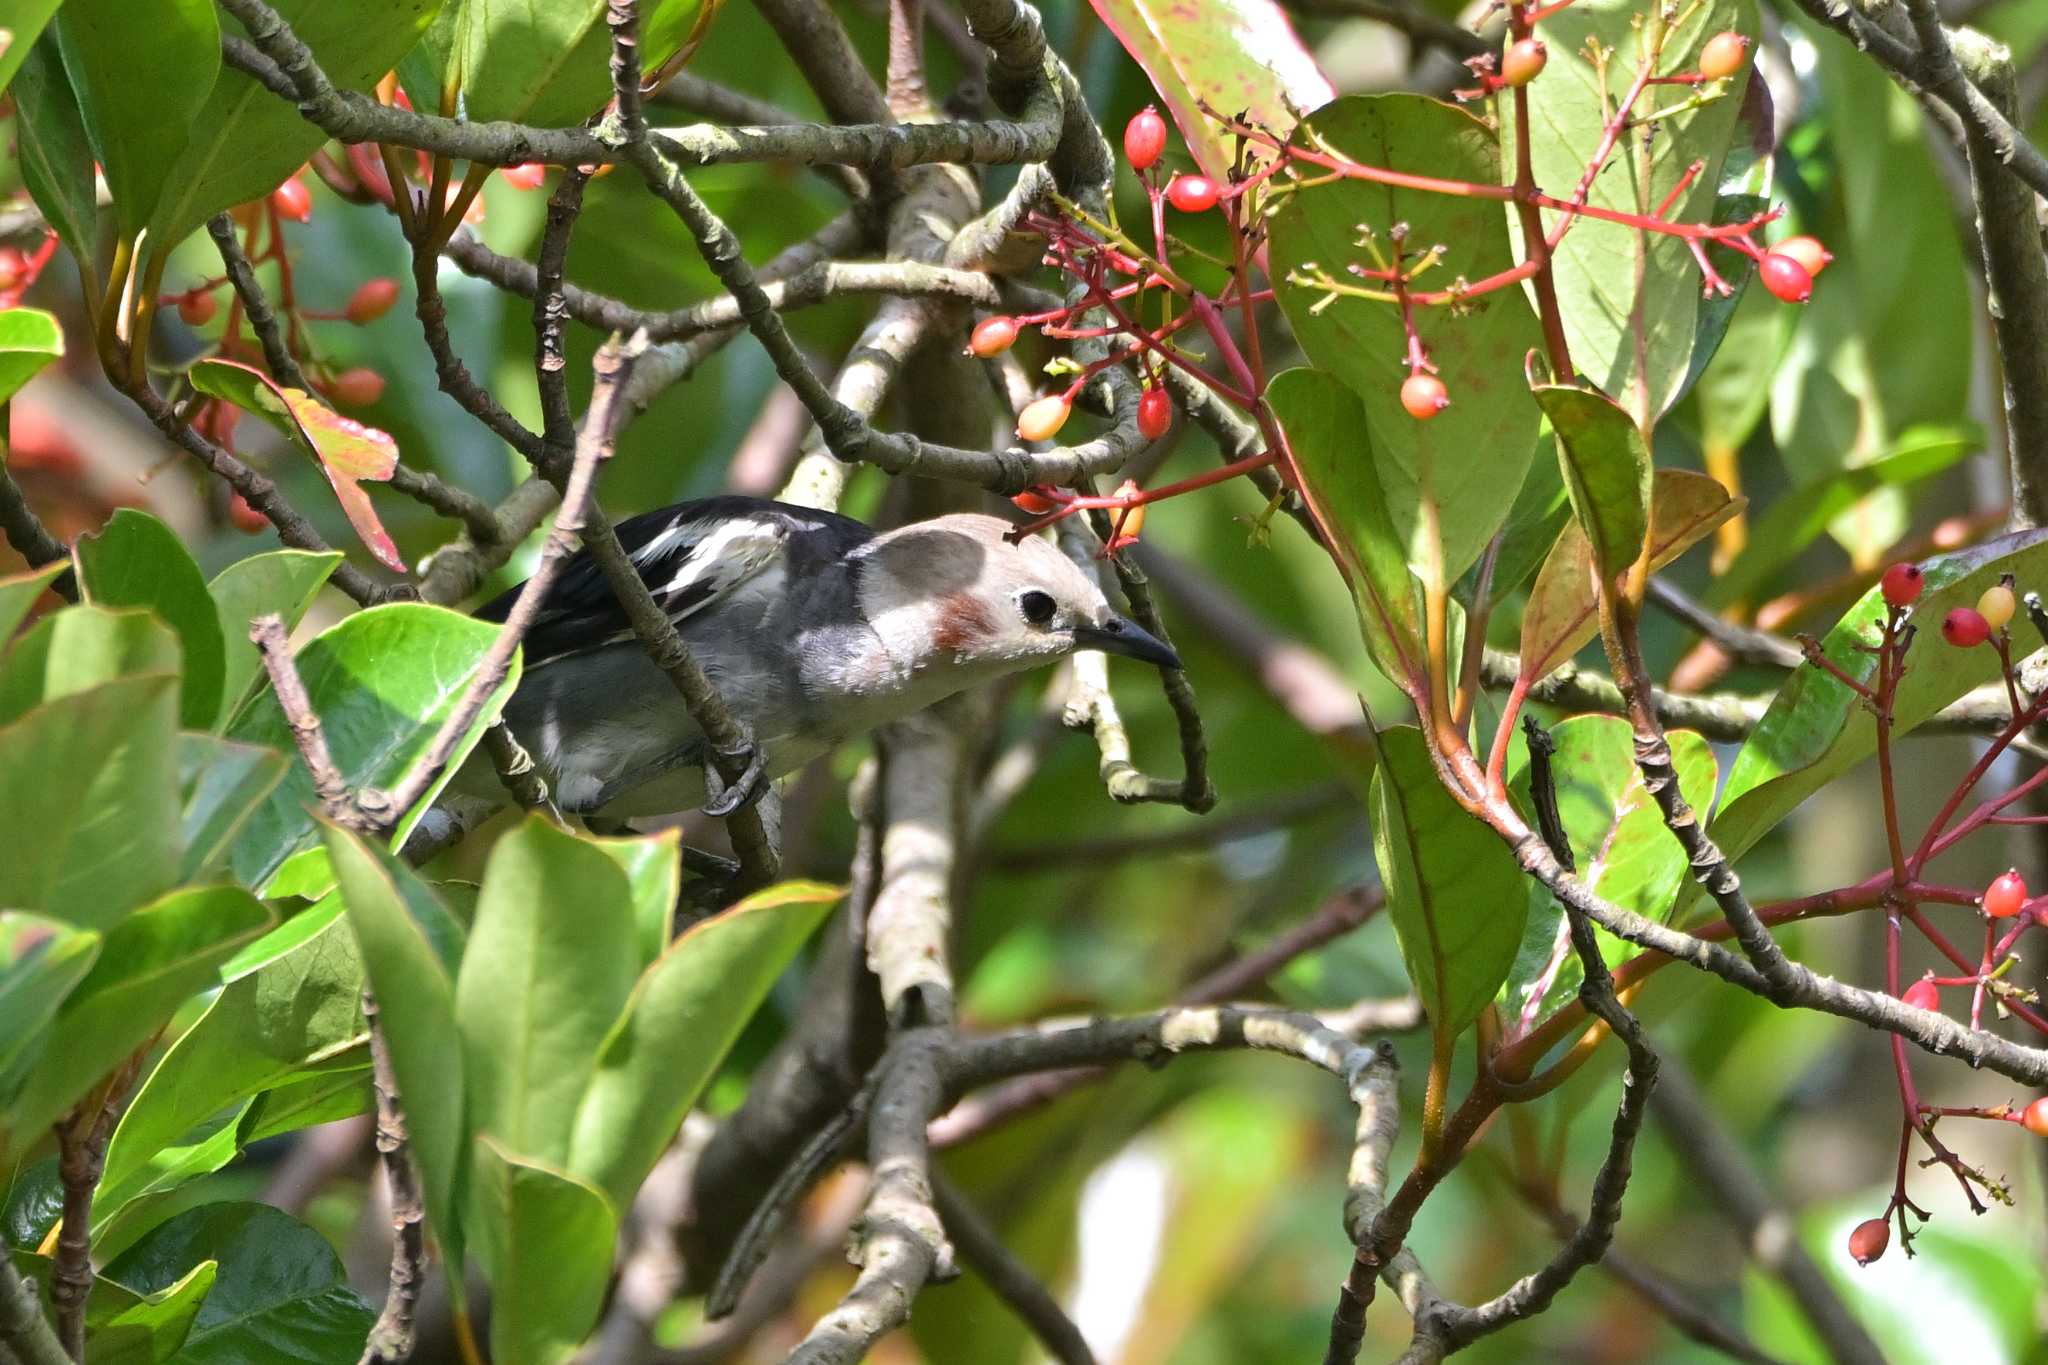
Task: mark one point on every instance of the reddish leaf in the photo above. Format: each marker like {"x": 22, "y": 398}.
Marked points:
{"x": 1235, "y": 55}
{"x": 345, "y": 449}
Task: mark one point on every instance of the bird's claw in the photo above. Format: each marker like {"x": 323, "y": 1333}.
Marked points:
{"x": 748, "y": 787}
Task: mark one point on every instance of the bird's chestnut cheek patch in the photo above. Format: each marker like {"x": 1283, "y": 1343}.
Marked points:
{"x": 963, "y": 623}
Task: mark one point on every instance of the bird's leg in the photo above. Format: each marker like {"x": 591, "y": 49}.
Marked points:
{"x": 749, "y": 786}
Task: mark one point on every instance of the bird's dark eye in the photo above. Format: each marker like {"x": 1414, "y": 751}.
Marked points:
{"x": 1038, "y": 607}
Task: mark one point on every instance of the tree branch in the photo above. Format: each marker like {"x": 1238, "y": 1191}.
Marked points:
{"x": 981, "y": 1247}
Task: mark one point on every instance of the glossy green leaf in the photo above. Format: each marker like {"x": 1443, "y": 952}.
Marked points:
{"x": 41, "y": 962}
{"x": 1334, "y": 451}
{"x": 149, "y": 963}
{"x": 79, "y": 648}
{"x": 1242, "y": 57}
{"x": 346, "y": 451}
{"x": 29, "y": 340}
{"x": 545, "y": 1239}
{"x": 281, "y": 1296}
{"x": 1606, "y": 471}
{"x": 381, "y": 682}
{"x": 411, "y": 947}
{"x": 222, "y": 783}
{"x": 282, "y": 583}
{"x": 22, "y": 21}
{"x": 1817, "y": 729}
{"x": 296, "y": 1017}
{"x": 1563, "y": 611}
{"x": 1629, "y": 299}
{"x": 1619, "y": 842}
{"x": 19, "y": 592}
{"x": 140, "y": 87}
{"x": 547, "y": 61}
{"x": 685, "y": 1012}
{"x": 246, "y": 139}
{"x": 137, "y": 561}
{"x": 89, "y": 800}
{"x": 540, "y": 989}
{"x": 653, "y": 865}
{"x": 1448, "y": 482}
{"x": 148, "y": 1329}
{"x": 56, "y": 157}
{"x": 1454, "y": 892}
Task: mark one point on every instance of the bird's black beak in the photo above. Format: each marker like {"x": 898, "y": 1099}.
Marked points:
{"x": 1119, "y": 636}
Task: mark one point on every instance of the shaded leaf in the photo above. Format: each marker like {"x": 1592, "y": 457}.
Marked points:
{"x": 148, "y": 1329}
{"x": 56, "y": 159}
{"x": 281, "y": 583}
{"x": 1606, "y": 470}
{"x": 545, "y": 1239}
{"x": 23, "y": 22}
{"x": 19, "y": 592}
{"x": 222, "y": 784}
{"x": 41, "y": 962}
{"x": 1540, "y": 512}
{"x": 136, "y": 561}
{"x": 685, "y": 1012}
{"x": 545, "y": 61}
{"x": 77, "y": 649}
{"x": 346, "y": 450}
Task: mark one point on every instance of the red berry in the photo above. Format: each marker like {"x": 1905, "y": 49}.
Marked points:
{"x": 1785, "y": 277}
{"x": 1034, "y": 502}
{"x": 246, "y": 518}
{"x": 1807, "y": 251}
{"x": 2035, "y": 1117}
{"x": 1523, "y": 62}
{"x": 2004, "y": 897}
{"x": 372, "y": 300}
{"x": 1965, "y": 626}
{"x": 197, "y": 309}
{"x": 531, "y": 176}
{"x": 1868, "y": 1240}
{"x": 1042, "y": 419}
{"x": 1155, "y": 414}
{"x": 1724, "y": 55}
{"x": 1144, "y": 138}
{"x": 1192, "y": 193}
{"x": 1424, "y": 396}
{"x": 992, "y": 336}
{"x": 1922, "y": 995}
{"x": 293, "y": 200}
{"x": 1902, "y": 583}
{"x": 357, "y": 388}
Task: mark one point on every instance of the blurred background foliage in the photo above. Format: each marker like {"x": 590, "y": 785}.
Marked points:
{"x": 1188, "y": 1216}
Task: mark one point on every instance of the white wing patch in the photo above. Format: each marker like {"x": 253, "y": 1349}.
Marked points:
{"x": 722, "y": 557}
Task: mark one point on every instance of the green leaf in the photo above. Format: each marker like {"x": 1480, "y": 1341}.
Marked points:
{"x": 1563, "y": 608}
{"x": 23, "y": 22}
{"x": 346, "y": 451}
{"x": 29, "y": 340}
{"x": 685, "y": 1012}
{"x": 147, "y": 1329}
{"x": 299, "y": 1016}
{"x": 247, "y": 140}
{"x": 653, "y": 865}
{"x": 1618, "y": 840}
{"x": 545, "y": 1239}
{"x": 1243, "y": 55}
{"x": 281, "y": 583}
{"x": 140, "y": 87}
{"x": 1606, "y": 470}
{"x": 1817, "y": 729}
{"x": 136, "y": 561}
{"x": 1326, "y": 430}
{"x": 79, "y": 648}
{"x": 1540, "y": 512}
{"x": 56, "y": 158}
{"x": 149, "y": 963}
{"x": 41, "y": 961}
{"x": 381, "y": 681}
{"x": 1449, "y": 482}
{"x": 281, "y": 1296}
{"x": 302, "y": 928}
{"x": 1629, "y": 300}
{"x": 410, "y": 948}
{"x": 540, "y": 990}
{"x": 89, "y": 800}
{"x": 19, "y": 592}
{"x": 546, "y": 61}
{"x": 1454, "y": 893}
{"x": 223, "y": 784}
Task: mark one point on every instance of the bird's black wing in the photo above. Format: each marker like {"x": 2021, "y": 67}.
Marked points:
{"x": 689, "y": 555}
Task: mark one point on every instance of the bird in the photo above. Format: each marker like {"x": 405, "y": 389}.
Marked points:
{"x": 814, "y": 627}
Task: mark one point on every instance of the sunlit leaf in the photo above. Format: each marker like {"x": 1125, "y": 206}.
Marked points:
{"x": 137, "y": 561}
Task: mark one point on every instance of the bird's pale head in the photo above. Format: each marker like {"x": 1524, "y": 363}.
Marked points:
{"x": 955, "y": 590}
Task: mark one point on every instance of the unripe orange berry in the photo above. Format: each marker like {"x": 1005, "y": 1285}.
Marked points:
{"x": 1424, "y": 396}
{"x": 372, "y": 300}
{"x": 1996, "y": 606}
{"x": 2035, "y": 1117}
{"x": 1034, "y": 502}
{"x": 1042, "y": 419}
{"x": 1127, "y": 522}
{"x": 1808, "y": 251}
{"x": 197, "y": 309}
{"x": 1524, "y": 62}
{"x": 2006, "y": 894}
{"x": 1867, "y": 1240}
{"x": 357, "y": 388}
{"x": 1724, "y": 55}
{"x": 293, "y": 200}
{"x": 992, "y": 336}
{"x": 530, "y": 176}
{"x": 245, "y": 518}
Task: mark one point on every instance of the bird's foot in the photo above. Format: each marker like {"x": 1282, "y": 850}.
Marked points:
{"x": 708, "y": 889}
{"x": 748, "y": 787}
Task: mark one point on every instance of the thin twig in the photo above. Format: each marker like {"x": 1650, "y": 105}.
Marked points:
{"x": 392, "y": 1336}
{"x": 273, "y": 646}
{"x": 981, "y": 1247}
